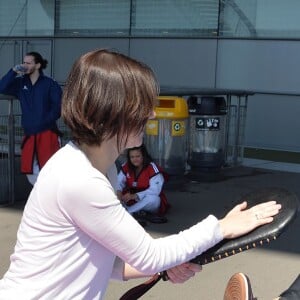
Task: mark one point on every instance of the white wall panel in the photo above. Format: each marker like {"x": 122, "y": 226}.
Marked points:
{"x": 268, "y": 65}
{"x": 179, "y": 62}
{"x": 68, "y": 50}
{"x": 273, "y": 122}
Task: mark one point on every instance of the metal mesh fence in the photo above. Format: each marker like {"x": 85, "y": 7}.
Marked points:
{"x": 65, "y": 131}
{"x": 236, "y": 118}
{"x": 11, "y": 135}
{"x": 3, "y": 158}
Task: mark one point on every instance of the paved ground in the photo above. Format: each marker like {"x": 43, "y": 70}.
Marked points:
{"x": 271, "y": 268}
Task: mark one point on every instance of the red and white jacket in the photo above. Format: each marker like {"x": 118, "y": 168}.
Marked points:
{"x": 148, "y": 182}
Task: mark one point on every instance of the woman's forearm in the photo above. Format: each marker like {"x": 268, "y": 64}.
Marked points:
{"x": 132, "y": 273}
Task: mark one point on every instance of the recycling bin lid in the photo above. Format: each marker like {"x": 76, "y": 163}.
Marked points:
{"x": 207, "y": 105}
{"x": 170, "y": 107}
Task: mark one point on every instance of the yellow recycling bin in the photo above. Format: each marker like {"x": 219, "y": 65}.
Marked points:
{"x": 166, "y": 136}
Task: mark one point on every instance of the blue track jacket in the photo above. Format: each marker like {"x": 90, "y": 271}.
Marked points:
{"x": 40, "y": 103}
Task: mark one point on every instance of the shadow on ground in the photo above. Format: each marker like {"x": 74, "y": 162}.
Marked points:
{"x": 192, "y": 199}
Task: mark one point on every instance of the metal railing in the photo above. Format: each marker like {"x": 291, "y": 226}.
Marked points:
{"x": 11, "y": 135}
{"x": 7, "y": 154}
{"x": 237, "y": 102}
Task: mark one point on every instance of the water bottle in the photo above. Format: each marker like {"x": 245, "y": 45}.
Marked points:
{"x": 20, "y": 68}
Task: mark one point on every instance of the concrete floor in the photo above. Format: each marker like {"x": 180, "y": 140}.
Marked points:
{"x": 271, "y": 268}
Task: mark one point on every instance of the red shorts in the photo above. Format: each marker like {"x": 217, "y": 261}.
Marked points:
{"x": 43, "y": 145}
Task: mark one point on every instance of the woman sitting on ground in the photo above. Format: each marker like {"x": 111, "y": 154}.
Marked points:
{"x": 140, "y": 183}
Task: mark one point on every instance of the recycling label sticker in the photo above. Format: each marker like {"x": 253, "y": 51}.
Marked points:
{"x": 152, "y": 127}
{"x": 178, "y": 128}
{"x": 207, "y": 123}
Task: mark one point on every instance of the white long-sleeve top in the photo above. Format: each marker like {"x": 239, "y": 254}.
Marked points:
{"x": 74, "y": 235}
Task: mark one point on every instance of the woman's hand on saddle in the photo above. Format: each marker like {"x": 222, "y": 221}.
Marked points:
{"x": 241, "y": 220}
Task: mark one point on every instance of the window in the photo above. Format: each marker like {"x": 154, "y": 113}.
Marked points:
{"x": 155, "y": 18}
{"x": 92, "y": 18}
{"x": 179, "y": 18}
{"x": 175, "y": 18}
{"x": 26, "y": 18}
{"x": 260, "y": 18}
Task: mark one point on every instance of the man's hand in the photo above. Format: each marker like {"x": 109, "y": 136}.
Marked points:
{"x": 127, "y": 197}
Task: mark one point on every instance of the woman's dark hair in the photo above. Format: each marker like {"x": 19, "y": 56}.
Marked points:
{"x": 147, "y": 159}
{"x": 38, "y": 59}
{"x": 108, "y": 94}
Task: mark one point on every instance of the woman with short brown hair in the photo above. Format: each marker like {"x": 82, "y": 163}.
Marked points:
{"x": 75, "y": 235}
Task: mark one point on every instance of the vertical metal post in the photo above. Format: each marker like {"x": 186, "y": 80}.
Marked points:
{"x": 242, "y": 139}
{"x": 228, "y": 117}
{"x": 237, "y": 132}
{"x": 11, "y": 152}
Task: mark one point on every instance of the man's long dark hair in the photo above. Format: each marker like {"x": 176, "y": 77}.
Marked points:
{"x": 38, "y": 59}
{"x": 147, "y": 159}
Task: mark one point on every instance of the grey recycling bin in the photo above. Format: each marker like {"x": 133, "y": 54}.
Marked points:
{"x": 207, "y": 129}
